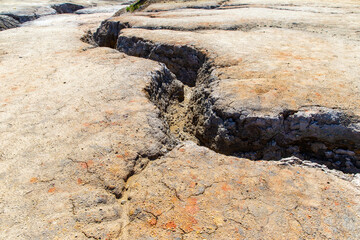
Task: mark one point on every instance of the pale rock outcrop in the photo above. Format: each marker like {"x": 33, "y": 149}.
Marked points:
{"x": 154, "y": 139}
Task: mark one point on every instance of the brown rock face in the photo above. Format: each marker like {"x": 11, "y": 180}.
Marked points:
{"x": 101, "y": 143}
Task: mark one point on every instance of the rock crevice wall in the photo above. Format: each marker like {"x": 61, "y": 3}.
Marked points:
{"x": 183, "y": 93}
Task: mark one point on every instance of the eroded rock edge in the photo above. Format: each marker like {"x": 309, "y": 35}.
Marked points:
{"x": 324, "y": 135}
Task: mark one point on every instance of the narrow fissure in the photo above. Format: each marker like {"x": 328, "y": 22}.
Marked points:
{"x": 182, "y": 91}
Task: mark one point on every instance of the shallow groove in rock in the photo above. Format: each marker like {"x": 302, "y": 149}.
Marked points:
{"x": 183, "y": 94}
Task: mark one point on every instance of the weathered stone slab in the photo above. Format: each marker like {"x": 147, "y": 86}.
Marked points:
{"x": 93, "y": 140}
{"x": 75, "y": 123}
{"x": 194, "y": 193}
{"x": 7, "y": 22}
{"x": 271, "y": 79}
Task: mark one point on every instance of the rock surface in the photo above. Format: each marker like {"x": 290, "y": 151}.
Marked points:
{"x": 29, "y": 10}
{"x": 101, "y": 9}
{"x": 66, "y": 7}
{"x": 29, "y": 14}
{"x": 194, "y": 193}
{"x": 266, "y": 80}
{"x": 75, "y": 124}
{"x": 7, "y": 22}
{"x": 93, "y": 139}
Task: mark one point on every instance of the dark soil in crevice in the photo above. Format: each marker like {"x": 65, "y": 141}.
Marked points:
{"x": 183, "y": 93}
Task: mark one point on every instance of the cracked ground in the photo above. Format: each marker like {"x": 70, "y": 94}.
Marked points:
{"x": 84, "y": 153}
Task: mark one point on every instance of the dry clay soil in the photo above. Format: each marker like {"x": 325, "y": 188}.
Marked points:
{"x": 99, "y": 144}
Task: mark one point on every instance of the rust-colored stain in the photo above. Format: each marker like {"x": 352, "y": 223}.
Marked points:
{"x": 34, "y": 180}
{"x": 79, "y": 181}
{"x": 116, "y": 124}
{"x": 109, "y": 112}
{"x": 170, "y": 225}
{"x": 158, "y": 212}
{"x": 187, "y": 226}
{"x": 193, "y": 176}
{"x": 90, "y": 163}
{"x": 286, "y": 55}
{"x": 192, "y": 184}
{"x": 123, "y": 156}
{"x": 181, "y": 150}
{"x": 353, "y": 203}
{"x": 336, "y": 203}
{"x": 174, "y": 199}
{"x": 52, "y": 190}
{"x": 83, "y": 165}
{"x": 191, "y": 206}
{"x": 225, "y": 187}
{"x": 152, "y": 221}
{"x": 326, "y": 229}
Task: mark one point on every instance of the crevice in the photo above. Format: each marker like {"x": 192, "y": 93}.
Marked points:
{"x": 183, "y": 61}
{"x": 176, "y": 194}
{"x": 7, "y": 22}
{"x": 182, "y": 91}
{"x": 22, "y": 19}
{"x": 138, "y": 167}
{"x": 89, "y": 236}
{"x": 108, "y": 33}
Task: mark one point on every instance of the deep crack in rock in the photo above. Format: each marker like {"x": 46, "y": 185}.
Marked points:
{"x": 182, "y": 92}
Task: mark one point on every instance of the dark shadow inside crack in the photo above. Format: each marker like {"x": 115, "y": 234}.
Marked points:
{"x": 182, "y": 92}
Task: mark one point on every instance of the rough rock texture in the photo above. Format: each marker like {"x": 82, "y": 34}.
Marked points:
{"x": 66, "y": 7}
{"x": 7, "y": 22}
{"x": 269, "y": 80}
{"x": 29, "y": 14}
{"x": 29, "y": 10}
{"x": 194, "y": 193}
{"x": 100, "y": 9}
{"x": 92, "y": 139}
{"x": 75, "y": 123}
